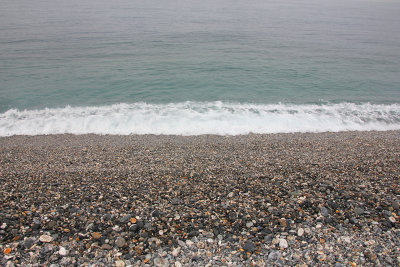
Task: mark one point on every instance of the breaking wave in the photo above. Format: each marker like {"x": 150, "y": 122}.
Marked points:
{"x": 196, "y": 118}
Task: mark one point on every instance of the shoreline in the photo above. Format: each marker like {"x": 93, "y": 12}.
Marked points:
{"x": 164, "y": 200}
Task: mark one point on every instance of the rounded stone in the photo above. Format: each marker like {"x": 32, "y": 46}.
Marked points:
{"x": 300, "y": 232}
{"x": 283, "y": 243}
{"x": 96, "y": 235}
{"x": 249, "y": 246}
{"x": 63, "y": 251}
{"x": 120, "y": 242}
{"x": 28, "y": 243}
{"x": 45, "y": 239}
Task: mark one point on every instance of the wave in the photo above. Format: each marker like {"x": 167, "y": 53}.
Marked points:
{"x": 196, "y": 118}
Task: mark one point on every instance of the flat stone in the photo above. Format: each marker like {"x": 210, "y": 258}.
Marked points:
{"x": 249, "y": 246}
{"x": 358, "y": 211}
{"x": 106, "y": 246}
{"x": 160, "y": 262}
{"x": 324, "y": 212}
{"x": 120, "y": 242}
{"x": 125, "y": 218}
{"x": 51, "y": 224}
{"x": 274, "y": 255}
{"x": 45, "y": 238}
{"x": 96, "y": 235}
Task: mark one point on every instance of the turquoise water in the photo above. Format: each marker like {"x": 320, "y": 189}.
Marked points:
{"x": 189, "y": 67}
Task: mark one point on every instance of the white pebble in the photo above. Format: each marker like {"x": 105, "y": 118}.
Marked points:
{"x": 283, "y": 243}
{"x": 300, "y": 232}
{"x": 63, "y": 251}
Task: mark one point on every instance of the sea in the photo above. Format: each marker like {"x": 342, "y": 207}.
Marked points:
{"x": 192, "y": 67}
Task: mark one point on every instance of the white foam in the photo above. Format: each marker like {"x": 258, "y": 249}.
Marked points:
{"x": 195, "y": 118}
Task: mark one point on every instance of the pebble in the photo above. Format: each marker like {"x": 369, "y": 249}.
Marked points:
{"x": 274, "y": 255}
{"x": 28, "y": 243}
{"x": 96, "y": 235}
{"x": 160, "y": 262}
{"x": 175, "y": 251}
{"x": 249, "y": 246}
{"x": 120, "y": 242}
{"x": 359, "y": 211}
{"x": 45, "y": 238}
{"x": 106, "y": 246}
{"x": 300, "y": 232}
{"x": 283, "y": 243}
{"x": 324, "y": 212}
{"x": 201, "y": 245}
{"x": 133, "y": 228}
{"x": 125, "y": 218}
{"x": 249, "y": 224}
{"x": 62, "y": 251}
{"x": 119, "y": 263}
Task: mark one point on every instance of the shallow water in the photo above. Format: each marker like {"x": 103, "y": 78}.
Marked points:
{"x": 154, "y": 56}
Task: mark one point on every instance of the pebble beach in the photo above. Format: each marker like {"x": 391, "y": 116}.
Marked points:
{"x": 310, "y": 199}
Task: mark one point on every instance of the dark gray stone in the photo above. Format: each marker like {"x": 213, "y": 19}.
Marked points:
{"x": 28, "y": 243}
{"x": 125, "y": 218}
{"x": 324, "y": 212}
{"x": 359, "y": 211}
{"x": 249, "y": 246}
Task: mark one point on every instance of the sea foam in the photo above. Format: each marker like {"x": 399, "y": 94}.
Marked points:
{"x": 196, "y": 118}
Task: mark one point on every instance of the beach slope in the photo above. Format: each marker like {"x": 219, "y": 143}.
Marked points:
{"x": 284, "y": 199}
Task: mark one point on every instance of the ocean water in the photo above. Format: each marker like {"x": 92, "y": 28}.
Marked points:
{"x": 198, "y": 67}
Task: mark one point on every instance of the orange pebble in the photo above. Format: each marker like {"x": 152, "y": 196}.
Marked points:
{"x": 7, "y": 251}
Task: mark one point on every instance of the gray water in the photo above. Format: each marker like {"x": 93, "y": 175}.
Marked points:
{"x": 89, "y": 62}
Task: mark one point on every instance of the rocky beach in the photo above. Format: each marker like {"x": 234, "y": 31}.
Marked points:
{"x": 250, "y": 200}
